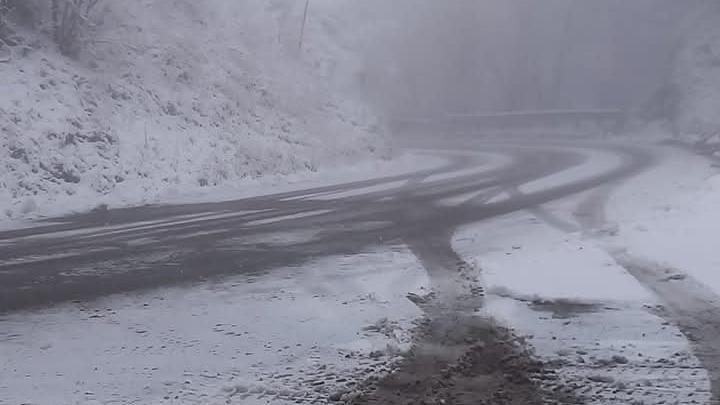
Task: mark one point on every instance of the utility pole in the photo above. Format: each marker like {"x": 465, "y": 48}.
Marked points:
{"x": 304, "y": 21}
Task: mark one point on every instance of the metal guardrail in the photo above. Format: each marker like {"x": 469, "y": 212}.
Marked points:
{"x": 545, "y": 113}
{"x": 580, "y": 121}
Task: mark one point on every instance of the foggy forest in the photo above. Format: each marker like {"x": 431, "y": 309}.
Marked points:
{"x": 501, "y": 202}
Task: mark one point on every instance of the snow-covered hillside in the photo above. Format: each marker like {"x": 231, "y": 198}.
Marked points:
{"x": 172, "y": 95}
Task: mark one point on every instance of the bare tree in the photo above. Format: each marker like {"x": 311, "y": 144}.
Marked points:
{"x": 5, "y": 51}
{"x": 70, "y": 20}
{"x": 4, "y": 11}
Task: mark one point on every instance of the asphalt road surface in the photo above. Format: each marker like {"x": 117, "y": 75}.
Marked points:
{"x": 91, "y": 255}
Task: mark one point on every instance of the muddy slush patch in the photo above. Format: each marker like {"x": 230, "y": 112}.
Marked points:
{"x": 459, "y": 356}
{"x": 563, "y": 308}
{"x": 465, "y": 359}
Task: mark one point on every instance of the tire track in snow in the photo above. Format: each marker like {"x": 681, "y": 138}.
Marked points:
{"x": 689, "y": 305}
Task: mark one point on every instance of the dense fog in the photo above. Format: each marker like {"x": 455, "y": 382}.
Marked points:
{"x": 359, "y": 202}
{"x": 465, "y": 56}
{"x": 288, "y": 85}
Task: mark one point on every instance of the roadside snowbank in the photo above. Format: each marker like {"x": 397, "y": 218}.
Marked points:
{"x": 177, "y": 96}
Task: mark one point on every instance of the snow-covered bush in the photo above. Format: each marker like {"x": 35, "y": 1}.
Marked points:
{"x": 697, "y": 75}
{"x": 67, "y": 21}
{"x": 5, "y": 30}
{"x": 6, "y": 52}
{"x": 4, "y": 11}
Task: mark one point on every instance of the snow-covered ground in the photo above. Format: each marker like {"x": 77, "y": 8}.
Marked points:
{"x": 296, "y": 335}
{"x": 175, "y": 97}
{"x": 558, "y": 274}
{"x": 671, "y": 215}
{"x": 555, "y": 280}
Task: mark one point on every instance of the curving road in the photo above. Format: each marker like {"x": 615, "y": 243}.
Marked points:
{"x": 91, "y": 255}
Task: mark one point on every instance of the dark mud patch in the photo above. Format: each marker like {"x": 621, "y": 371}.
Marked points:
{"x": 466, "y": 359}
{"x": 564, "y": 308}
{"x": 458, "y": 356}
{"x": 561, "y": 308}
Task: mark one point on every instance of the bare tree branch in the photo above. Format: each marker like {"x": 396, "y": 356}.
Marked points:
{"x": 9, "y": 55}
{"x": 4, "y": 11}
{"x": 71, "y": 18}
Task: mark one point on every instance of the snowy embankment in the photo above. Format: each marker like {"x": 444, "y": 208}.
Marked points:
{"x": 169, "y": 98}
{"x": 563, "y": 275}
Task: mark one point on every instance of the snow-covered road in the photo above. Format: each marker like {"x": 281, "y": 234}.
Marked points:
{"x": 315, "y": 294}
